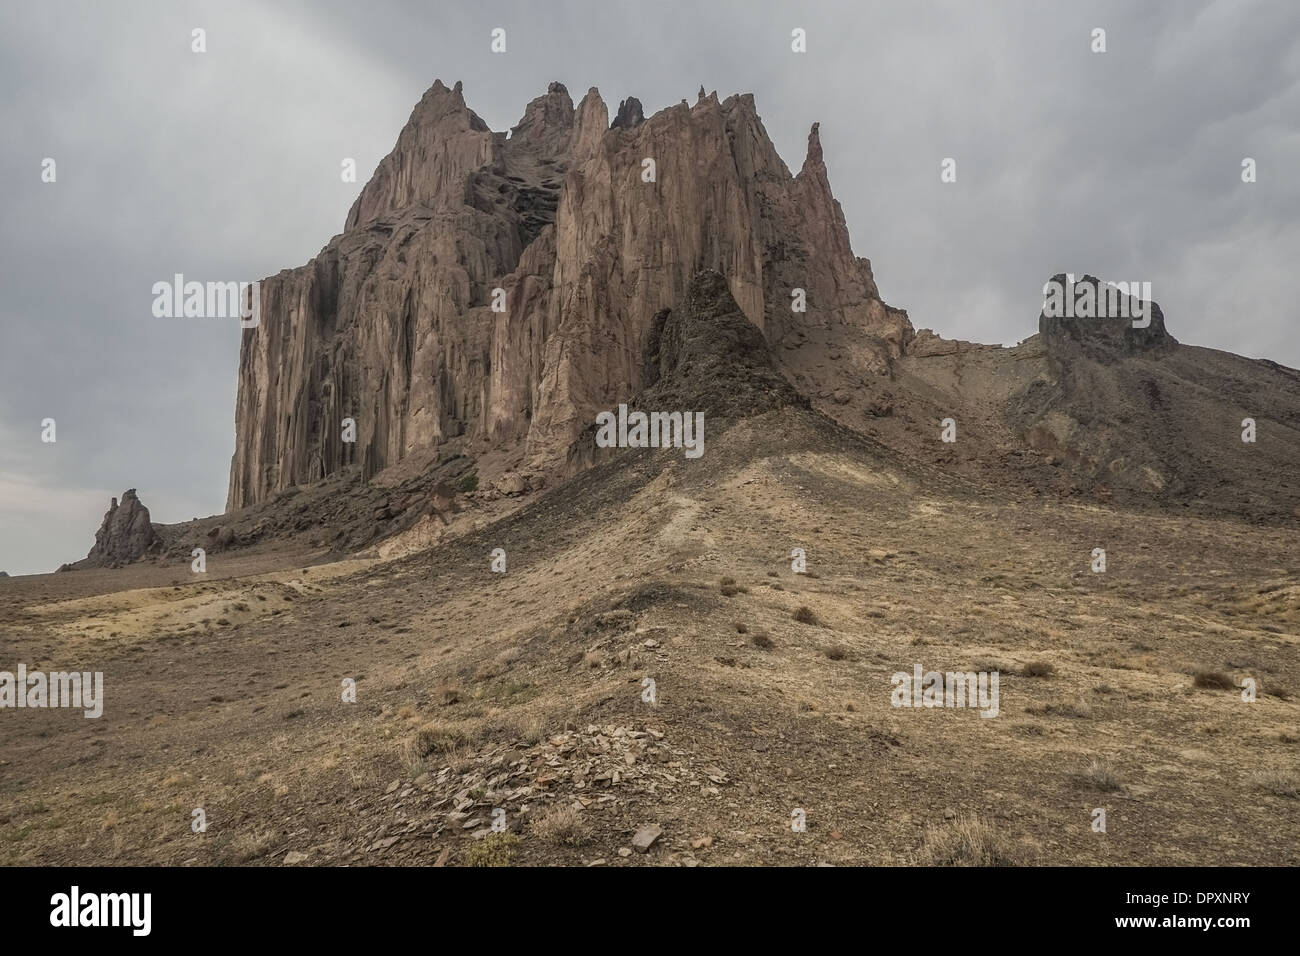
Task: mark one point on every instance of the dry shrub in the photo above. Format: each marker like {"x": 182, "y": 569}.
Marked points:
{"x": 1066, "y": 708}
{"x": 969, "y": 842}
{"x": 435, "y": 738}
{"x": 1277, "y": 782}
{"x": 562, "y": 825}
{"x": 1212, "y": 680}
{"x": 1098, "y": 776}
{"x": 805, "y": 615}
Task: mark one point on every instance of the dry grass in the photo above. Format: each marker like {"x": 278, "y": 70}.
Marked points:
{"x": 1038, "y": 669}
{"x": 250, "y": 844}
{"x": 1080, "y": 709}
{"x": 562, "y": 825}
{"x": 1279, "y": 783}
{"x": 1212, "y": 680}
{"x": 969, "y": 842}
{"x": 435, "y": 738}
{"x": 486, "y": 670}
{"x": 1098, "y": 776}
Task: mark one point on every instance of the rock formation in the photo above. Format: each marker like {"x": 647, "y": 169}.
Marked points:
{"x": 1103, "y": 335}
{"x": 579, "y": 232}
{"x": 125, "y": 535}
{"x": 706, "y": 356}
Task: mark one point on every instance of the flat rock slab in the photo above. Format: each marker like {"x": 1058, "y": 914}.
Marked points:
{"x": 645, "y": 838}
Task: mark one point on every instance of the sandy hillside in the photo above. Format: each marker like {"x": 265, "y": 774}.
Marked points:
{"x": 523, "y": 691}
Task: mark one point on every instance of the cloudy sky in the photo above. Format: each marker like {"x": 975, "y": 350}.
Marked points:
{"x": 225, "y": 165}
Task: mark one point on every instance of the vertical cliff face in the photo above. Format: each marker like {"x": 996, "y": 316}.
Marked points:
{"x": 588, "y": 229}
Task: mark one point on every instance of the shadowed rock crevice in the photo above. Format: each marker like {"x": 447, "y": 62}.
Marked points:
{"x": 707, "y": 356}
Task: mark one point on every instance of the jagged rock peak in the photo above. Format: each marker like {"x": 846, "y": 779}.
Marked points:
{"x": 590, "y": 123}
{"x": 125, "y": 535}
{"x": 547, "y": 124}
{"x": 629, "y": 115}
{"x": 440, "y": 145}
{"x": 552, "y": 110}
{"x": 814, "y": 157}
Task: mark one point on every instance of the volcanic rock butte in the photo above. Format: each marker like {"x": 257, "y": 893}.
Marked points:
{"x": 126, "y": 535}
{"x": 392, "y": 323}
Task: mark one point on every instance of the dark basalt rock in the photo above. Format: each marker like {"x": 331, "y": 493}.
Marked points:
{"x": 1103, "y": 337}
{"x": 629, "y": 114}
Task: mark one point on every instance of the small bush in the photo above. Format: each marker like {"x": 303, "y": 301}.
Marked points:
{"x": 469, "y": 483}
{"x": 741, "y": 629}
{"x": 1038, "y": 669}
{"x": 495, "y": 849}
{"x": 1098, "y": 776}
{"x": 761, "y": 641}
{"x": 1212, "y": 680}
{"x": 561, "y": 825}
{"x": 436, "y": 739}
{"x": 805, "y": 616}
{"x": 837, "y": 652}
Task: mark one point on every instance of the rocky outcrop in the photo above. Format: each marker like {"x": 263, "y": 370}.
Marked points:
{"x": 1100, "y": 321}
{"x": 126, "y": 535}
{"x": 629, "y": 115}
{"x": 707, "y": 356}
{"x": 579, "y": 232}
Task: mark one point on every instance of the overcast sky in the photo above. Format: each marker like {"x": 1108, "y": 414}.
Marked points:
{"x": 225, "y": 165}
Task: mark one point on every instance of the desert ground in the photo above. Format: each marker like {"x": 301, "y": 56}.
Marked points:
{"x": 524, "y": 691}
